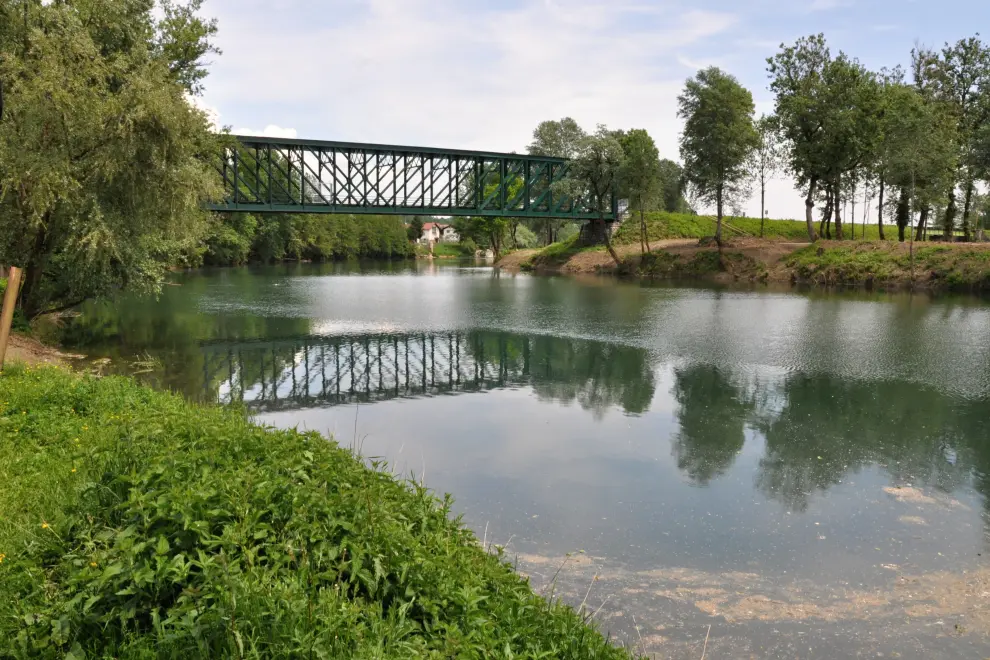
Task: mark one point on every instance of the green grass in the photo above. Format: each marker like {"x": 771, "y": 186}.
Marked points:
{"x": 663, "y": 225}
{"x": 136, "y": 525}
{"x": 453, "y": 250}
{"x": 661, "y": 264}
{"x": 939, "y": 266}
{"x": 559, "y": 253}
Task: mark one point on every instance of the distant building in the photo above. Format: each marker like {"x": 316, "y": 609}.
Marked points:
{"x": 434, "y": 232}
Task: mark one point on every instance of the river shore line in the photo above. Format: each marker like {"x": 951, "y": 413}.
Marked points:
{"x": 884, "y": 265}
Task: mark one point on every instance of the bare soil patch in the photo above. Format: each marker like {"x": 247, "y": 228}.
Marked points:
{"x": 31, "y": 351}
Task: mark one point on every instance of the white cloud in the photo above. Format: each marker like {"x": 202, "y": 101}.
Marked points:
{"x": 446, "y": 73}
{"x": 269, "y": 131}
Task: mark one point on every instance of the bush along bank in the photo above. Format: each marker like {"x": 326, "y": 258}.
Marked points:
{"x": 136, "y": 525}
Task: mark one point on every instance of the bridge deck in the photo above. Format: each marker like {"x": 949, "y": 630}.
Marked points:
{"x": 281, "y": 175}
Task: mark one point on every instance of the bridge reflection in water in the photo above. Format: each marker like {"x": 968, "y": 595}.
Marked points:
{"x": 313, "y": 371}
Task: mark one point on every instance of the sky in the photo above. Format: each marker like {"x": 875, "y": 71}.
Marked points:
{"x": 481, "y": 74}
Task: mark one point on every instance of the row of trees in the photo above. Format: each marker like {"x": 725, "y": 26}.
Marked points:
{"x": 240, "y": 238}
{"x": 918, "y": 142}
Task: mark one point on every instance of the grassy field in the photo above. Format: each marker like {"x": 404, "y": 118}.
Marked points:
{"x": 136, "y": 525}
{"x": 664, "y": 225}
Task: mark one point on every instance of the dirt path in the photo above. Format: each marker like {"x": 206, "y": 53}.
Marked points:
{"x": 31, "y": 351}
{"x": 598, "y": 261}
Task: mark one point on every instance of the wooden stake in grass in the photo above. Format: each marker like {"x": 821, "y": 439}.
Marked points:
{"x": 7, "y": 312}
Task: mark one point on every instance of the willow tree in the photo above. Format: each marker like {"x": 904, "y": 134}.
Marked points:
{"x": 103, "y": 158}
{"x": 718, "y": 139}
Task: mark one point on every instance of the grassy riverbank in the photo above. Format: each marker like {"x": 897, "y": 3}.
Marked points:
{"x": 134, "y": 524}
{"x": 662, "y": 225}
{"x": 882, "y": 264}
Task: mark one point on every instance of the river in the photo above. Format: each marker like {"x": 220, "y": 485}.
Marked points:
{"x": 789, "y": 474}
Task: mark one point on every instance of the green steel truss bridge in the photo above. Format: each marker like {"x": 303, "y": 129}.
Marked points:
{"x": 280, "y": 175}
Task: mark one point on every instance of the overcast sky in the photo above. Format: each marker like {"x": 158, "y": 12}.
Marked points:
{"x": 480, "y": 74}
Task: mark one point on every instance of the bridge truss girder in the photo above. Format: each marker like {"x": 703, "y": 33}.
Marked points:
{"x": 279, "y": 175}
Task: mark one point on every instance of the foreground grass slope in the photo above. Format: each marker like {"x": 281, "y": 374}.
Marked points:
{"x": 663, "y": 225}
{"x": 136, "y": 525}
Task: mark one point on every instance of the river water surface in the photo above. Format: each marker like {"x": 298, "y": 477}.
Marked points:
{"x": 792, "y": 475}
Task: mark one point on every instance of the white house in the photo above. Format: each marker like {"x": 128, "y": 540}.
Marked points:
{"x": 434, "y": 232}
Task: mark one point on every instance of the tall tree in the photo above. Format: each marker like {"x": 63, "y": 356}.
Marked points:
{"x": 103, "y": 159}
{"x": 592, "y": 180}
{"x": 960, "y": 75}
{"x": 672, "y": 180}
{"x": 766, "y": 160}
{"x": 557, "y": 139}
{"x": 639, "y": 179}
{"x": 851, "y": 126}
{"x": 718, "y": 138}
{"x": 798, "y": 75}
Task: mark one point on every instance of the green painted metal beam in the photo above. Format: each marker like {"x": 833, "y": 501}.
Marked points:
{"x": 280, "y": 175}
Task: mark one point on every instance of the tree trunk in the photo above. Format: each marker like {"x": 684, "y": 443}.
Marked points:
{"x": 809, "y": 208}
{"x": 763, "y": 210}
{"x": 852, "y": 211}
{"x": 966, "y": 207}
{"x": 949, "y": 233}
{"x": 608, "y": 241}
{"x": 838, "y": 207}
{"x": 31, "y": 300}
{"x": 827, "y": 215}
{"x": 718, "y": 219}
{"x": 646, "y": 236}
{"x": 919, "y": 234}
{"x": 902, "y": 214}
{"x": 880, "y": 210}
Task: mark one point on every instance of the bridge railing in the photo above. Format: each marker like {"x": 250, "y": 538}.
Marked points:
{"x": 273, "y": 175}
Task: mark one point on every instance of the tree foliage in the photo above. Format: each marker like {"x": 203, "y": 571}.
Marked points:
{"x": 718, "y": 138}
{"x": 766, "y": 160}
{"x": 102, "y": 157}
{"x": 593, "y": 177}
{"x": 639, "y": 178}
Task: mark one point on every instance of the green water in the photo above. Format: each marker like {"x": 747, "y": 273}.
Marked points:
{"x": 805, "y": 472}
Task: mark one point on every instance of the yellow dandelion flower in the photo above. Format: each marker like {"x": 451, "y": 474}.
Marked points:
{"x": 44, "y": 525}
{"x": 73, "y": 469}
{"x": 93, "y": 564}
{"x": 2, "y": 557}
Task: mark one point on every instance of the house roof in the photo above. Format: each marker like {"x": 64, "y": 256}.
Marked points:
{"x": 431, "y": 225}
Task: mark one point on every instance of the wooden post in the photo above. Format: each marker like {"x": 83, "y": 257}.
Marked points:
{"x": 7, "y": 312}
